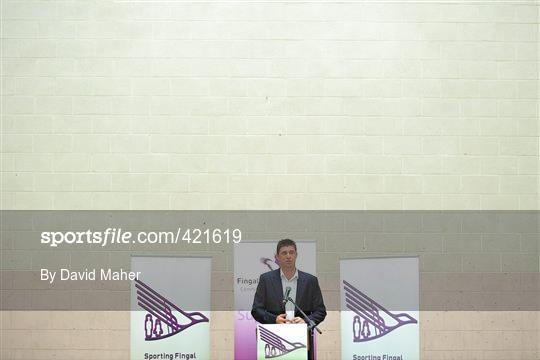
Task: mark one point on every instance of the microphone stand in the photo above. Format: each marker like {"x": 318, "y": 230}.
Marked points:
{"x": 311, "y": 324}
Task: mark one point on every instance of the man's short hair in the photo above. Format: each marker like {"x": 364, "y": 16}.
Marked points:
{"x": 285, "y": 242}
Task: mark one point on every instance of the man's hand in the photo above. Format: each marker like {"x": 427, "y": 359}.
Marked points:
{"x": 281, "y": 319}
{"x": 298, "y": 320}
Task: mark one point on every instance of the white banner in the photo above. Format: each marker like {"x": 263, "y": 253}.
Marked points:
{"x": 170, "y": 303}
{"x": 379, "y": 303}
{"x": 251, "y": 259}
{"x": 288, "y": 342}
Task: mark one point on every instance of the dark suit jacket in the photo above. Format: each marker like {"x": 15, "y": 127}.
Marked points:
{"x": 268, "y": 301}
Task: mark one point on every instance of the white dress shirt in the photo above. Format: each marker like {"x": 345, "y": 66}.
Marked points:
{"x": 289, "y": 307}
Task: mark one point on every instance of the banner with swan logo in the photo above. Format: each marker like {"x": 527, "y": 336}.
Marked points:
{"x": 285, "y": 342}
{"x": 380, "y": 308}
{"x": 251, "y": 259}
{"x": 170, "y": 307}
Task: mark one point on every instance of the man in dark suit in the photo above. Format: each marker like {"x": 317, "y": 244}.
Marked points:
{"x": 268, "y": 307}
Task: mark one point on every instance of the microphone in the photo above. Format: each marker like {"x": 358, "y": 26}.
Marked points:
{"x": 287, "y": 293}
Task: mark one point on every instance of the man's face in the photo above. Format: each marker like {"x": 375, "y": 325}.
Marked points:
{"x": 287, "y": 257}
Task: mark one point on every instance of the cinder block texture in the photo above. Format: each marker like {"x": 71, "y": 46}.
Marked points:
{"x": 479, "y": 279}
{"x": 269, "y": 105}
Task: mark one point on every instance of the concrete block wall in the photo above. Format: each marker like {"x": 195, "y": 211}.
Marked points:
{"x": 479, "y": 279}
{"x": 272, "y": 105}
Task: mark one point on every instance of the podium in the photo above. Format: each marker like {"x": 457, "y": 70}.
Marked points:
{"x": 282, "y": 341}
